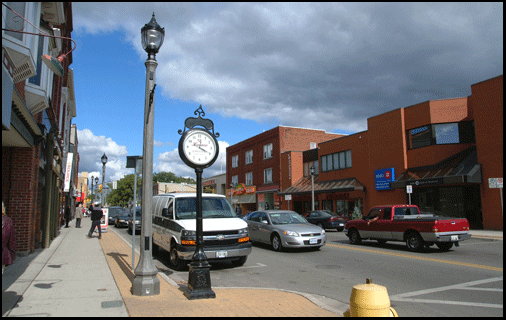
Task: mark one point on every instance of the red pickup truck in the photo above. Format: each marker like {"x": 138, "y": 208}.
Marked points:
{"x": 406, "y": 223}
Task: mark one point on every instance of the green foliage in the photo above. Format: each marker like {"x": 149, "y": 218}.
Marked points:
{"x": 125, "y": 187}
{"x": 171, "y": 177}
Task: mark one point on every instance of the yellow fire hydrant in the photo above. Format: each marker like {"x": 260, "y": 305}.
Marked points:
{"x": 370, "y": 300}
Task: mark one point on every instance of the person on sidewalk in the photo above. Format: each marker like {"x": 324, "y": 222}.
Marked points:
{"x": 96, "y": 215}
{"x": 67, "y": 216}
{"x": 8, "y": 240}
{"x": 79, "y": 215}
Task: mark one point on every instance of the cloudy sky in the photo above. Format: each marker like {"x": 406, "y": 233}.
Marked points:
{"x": 254, "y": 66}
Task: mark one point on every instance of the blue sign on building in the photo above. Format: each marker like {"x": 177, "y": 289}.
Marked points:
{"x": 383, "y": 177}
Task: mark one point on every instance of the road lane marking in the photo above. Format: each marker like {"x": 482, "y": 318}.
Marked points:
{"x": 404, "y": 297}
{"x": 464, "y": 264}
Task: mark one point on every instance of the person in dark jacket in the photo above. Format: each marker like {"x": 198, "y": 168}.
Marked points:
{"x": 67, "y": 216}
{"x": 8, "y": 240}
{"x": 96, "y": 215}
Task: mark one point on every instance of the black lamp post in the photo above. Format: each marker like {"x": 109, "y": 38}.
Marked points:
{"x": 145, "y": 282}
{"x": 312, "y": 188}
{"x": 92, "y": 196}
{"x": 104, "y": 161}
{"x": 96, "y": 186}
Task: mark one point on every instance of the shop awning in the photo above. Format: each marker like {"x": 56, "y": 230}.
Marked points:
{"x": 303, "y": 186}
{"x": 462, "y": 167}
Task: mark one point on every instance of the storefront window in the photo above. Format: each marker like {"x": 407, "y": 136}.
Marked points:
{"x": 446, "y": 133}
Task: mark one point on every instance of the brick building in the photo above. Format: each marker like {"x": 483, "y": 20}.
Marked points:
{"x": 37, "y": 106}
{"x": 445, "y": 149}
{"x": 254, "y": 165}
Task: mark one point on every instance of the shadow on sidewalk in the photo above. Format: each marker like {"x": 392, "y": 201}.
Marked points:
{"x": 123, "y": 264}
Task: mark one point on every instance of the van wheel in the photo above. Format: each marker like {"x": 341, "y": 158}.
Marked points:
{"x": 240, "y": 262}
{"x": 174, "y": 261}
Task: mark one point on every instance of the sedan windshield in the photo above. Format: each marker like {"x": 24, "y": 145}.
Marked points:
{"x": 186, "y": 208}
{"x": 286, "y": 218}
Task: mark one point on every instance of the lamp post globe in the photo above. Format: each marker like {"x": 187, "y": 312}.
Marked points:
{"x": 145, "y": 281}
{"x": 152, "y": 37}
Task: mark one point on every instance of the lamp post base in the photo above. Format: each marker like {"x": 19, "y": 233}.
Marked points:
{"x": 146, "y": 285}
{"x": 199, "y": 282}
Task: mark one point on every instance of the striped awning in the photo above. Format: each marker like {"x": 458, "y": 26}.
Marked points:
{"x": 303, "y": 186}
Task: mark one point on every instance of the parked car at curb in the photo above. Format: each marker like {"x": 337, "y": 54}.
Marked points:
{"x": 121, "y": 220}
{"x": 135, "y": 224}
{"x": 113, "y": 212}
{"x": 326, "y": 219}
{"x": 284, "y": 229}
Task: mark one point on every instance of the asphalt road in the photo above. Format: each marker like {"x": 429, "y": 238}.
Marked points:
{"x": 465, "y": 281}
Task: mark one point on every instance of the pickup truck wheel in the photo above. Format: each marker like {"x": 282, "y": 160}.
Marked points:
{"x": 444, "y": 246}
{"x": 276, "y": 243}
{"x": 355, "y": 237}
{"x": 414, "y": 242}
{"x": 174, "y": 261}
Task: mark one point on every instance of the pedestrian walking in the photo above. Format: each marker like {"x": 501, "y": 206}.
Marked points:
{"x": 96, "y": 215}
{"x": 67, "y": 216}
{"x": 79, "y": 215}
{"x": 8, "y": 240}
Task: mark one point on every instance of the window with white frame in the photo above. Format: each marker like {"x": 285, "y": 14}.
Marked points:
{"x": 235, "y": 180}
{"x": 249, "y": 178}
{"x": 249, "y": 157}
{"x": 268, "y": 175}
{"x": 235, "y": 161}
{"x": 268, "y": 151}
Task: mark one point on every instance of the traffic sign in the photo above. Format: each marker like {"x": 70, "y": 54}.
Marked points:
{"x": 495, "y": 182}
{"x": 409, "y": 188}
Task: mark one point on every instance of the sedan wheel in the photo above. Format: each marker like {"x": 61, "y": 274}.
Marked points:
{"x": 276, "y": 243}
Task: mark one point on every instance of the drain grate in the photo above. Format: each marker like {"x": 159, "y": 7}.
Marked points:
{"x": 112, "y": 304}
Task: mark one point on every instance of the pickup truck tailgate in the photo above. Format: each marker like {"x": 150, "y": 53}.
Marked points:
{"x": 451, "y": 225}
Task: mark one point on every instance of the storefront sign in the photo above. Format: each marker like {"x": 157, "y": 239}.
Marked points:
{"x": 425, "y": 182}
{"x": 68, "y": 172}
{"x": 241, "y": 189}
{"x": 383, "y": 177}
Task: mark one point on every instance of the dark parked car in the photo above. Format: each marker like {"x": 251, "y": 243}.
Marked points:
{"x": 113, "y": 212}
{"x": 121, "y": 220}
{"x": 326, "y": 219}
{"x": 138, "y": 220}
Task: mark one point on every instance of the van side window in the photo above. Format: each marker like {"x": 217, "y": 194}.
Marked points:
{"x": 170, "y": 210}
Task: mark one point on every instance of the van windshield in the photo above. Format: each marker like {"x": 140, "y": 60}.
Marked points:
{"x": 211, "y": 208}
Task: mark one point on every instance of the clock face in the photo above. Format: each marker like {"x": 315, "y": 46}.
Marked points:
{"x": 199, "y": 147}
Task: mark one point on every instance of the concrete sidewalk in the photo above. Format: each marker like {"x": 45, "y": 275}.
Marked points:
{"x": 71, "y": 278}
{"x": 77, "y": 276}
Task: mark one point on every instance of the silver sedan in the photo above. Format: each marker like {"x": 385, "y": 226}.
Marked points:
{"x": 284, "y": 229}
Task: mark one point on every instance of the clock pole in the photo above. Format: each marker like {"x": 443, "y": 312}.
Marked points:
{"x": 199, "y": 276}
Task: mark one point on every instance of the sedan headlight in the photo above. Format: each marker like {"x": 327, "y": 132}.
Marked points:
{"x": 291, "y": 233}
{"x": 323, "y": 231}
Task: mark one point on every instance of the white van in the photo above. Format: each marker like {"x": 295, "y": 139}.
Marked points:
{"x": 174, "y": 229}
